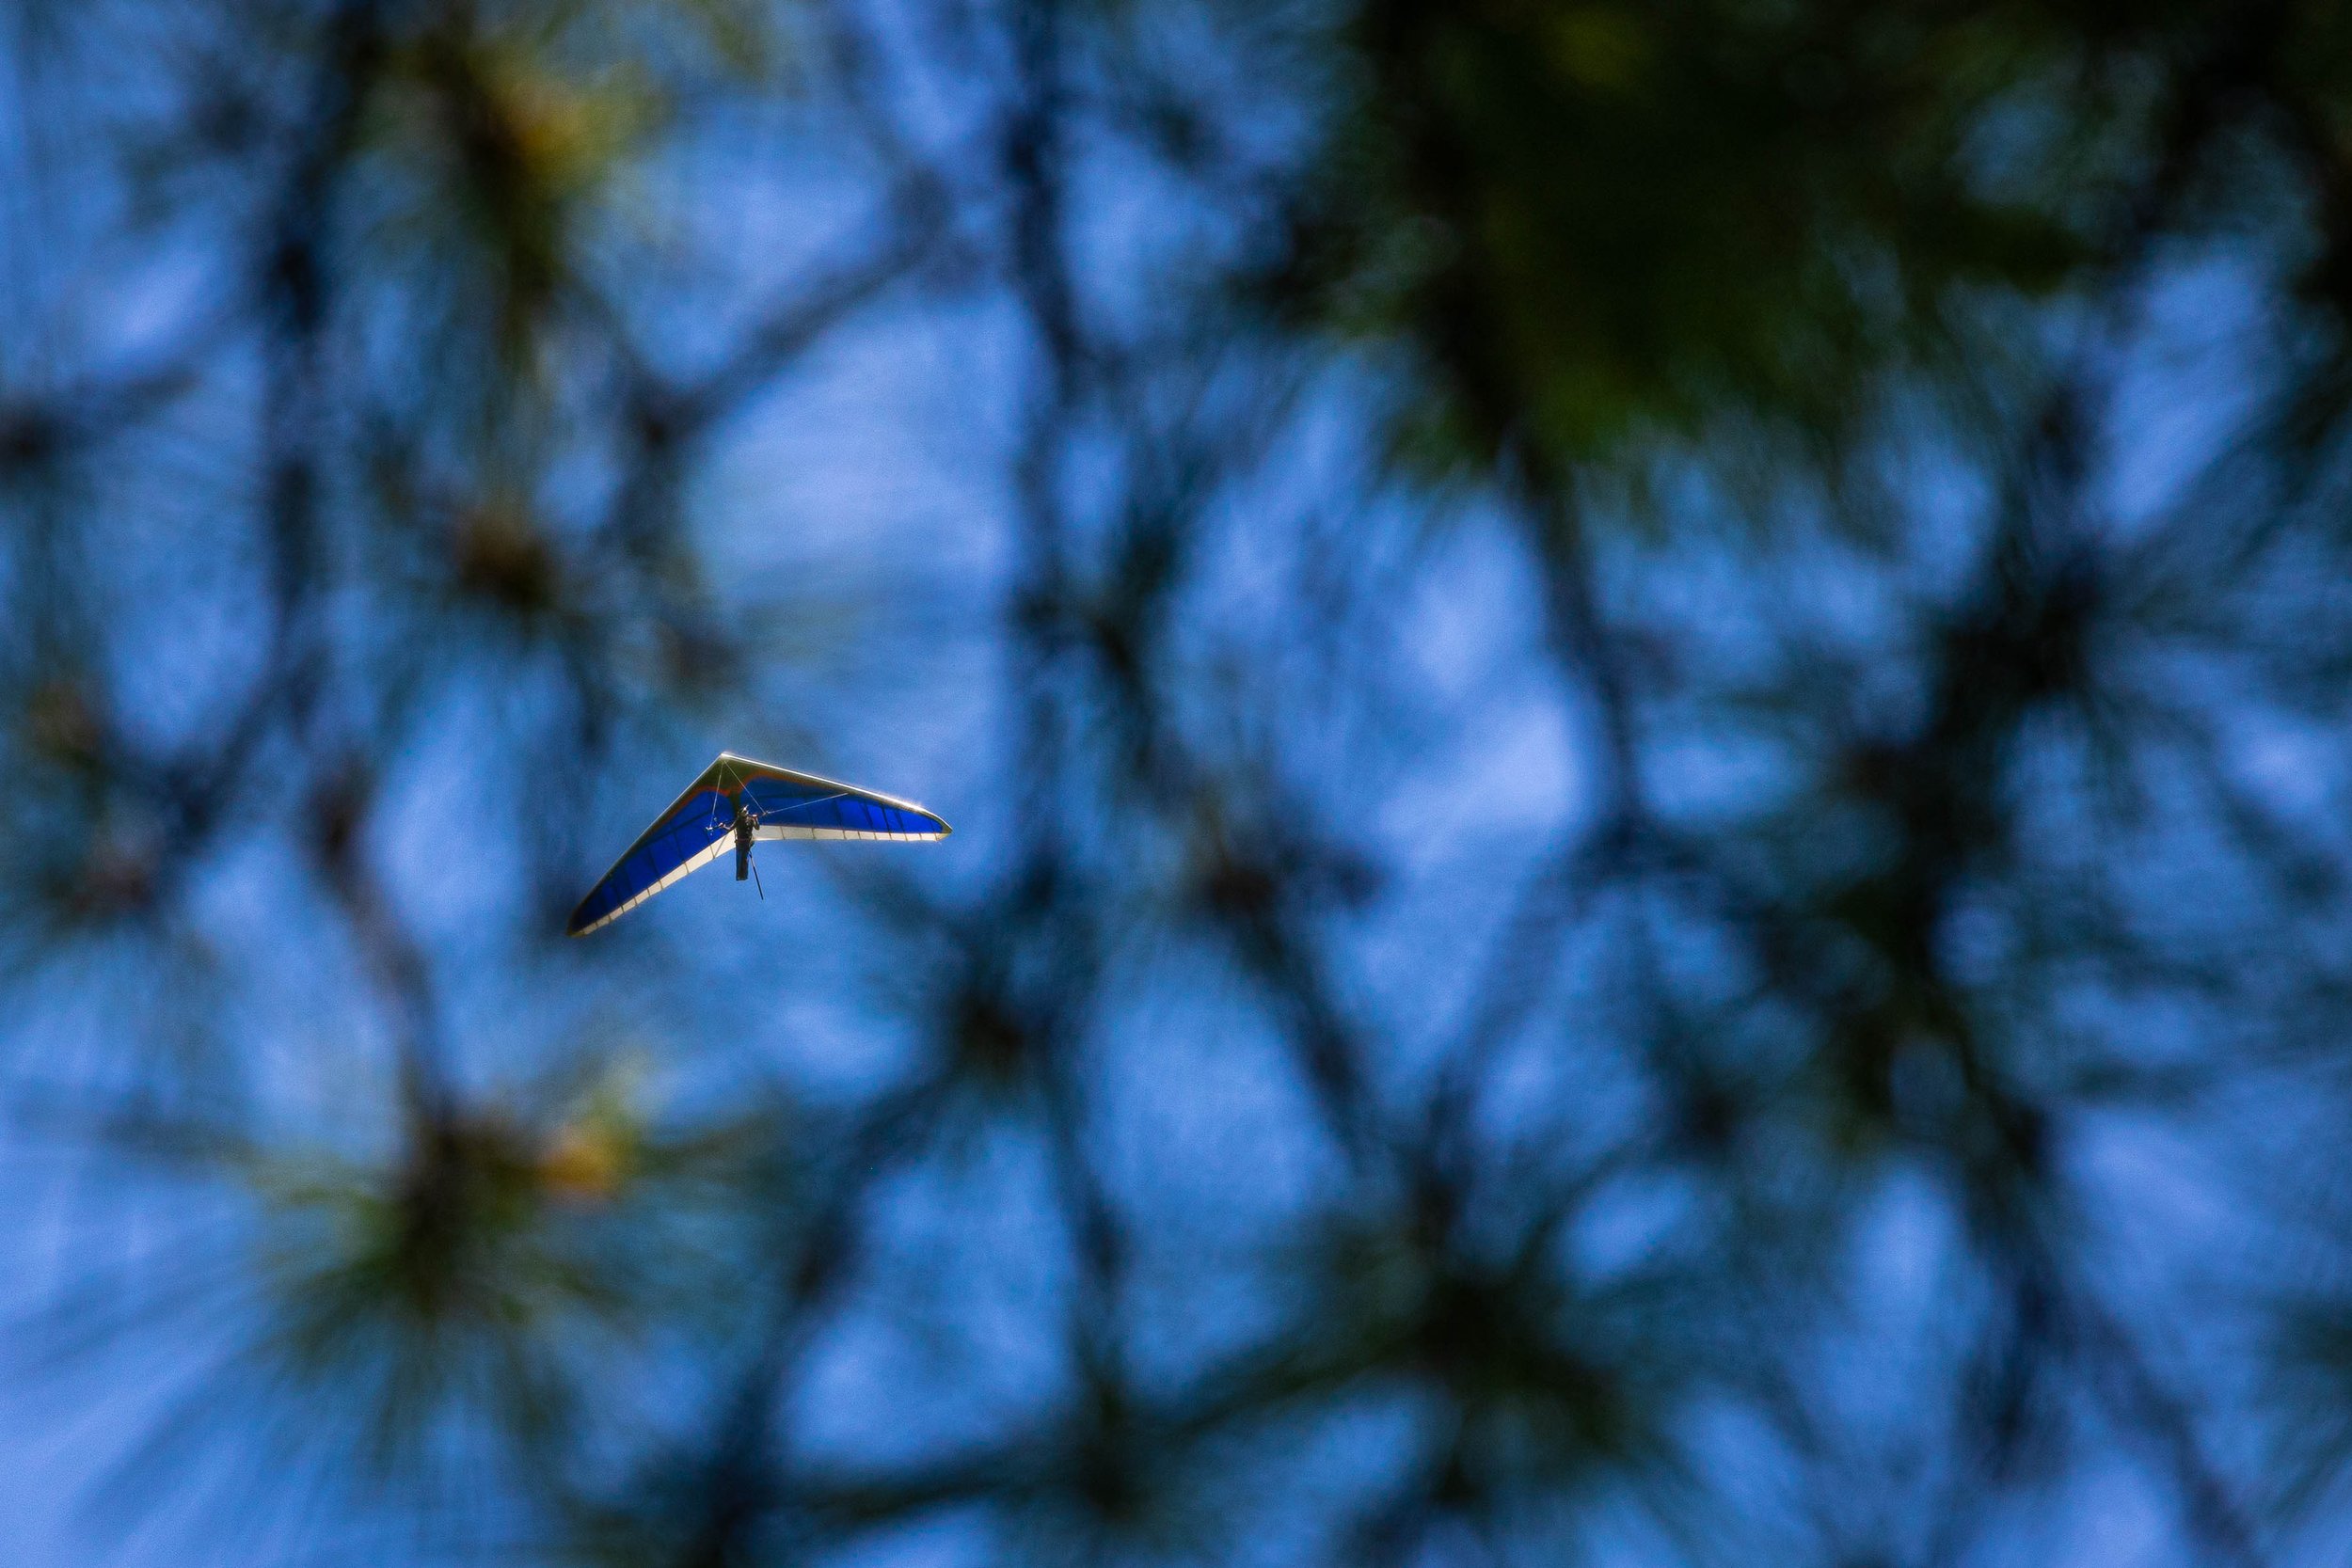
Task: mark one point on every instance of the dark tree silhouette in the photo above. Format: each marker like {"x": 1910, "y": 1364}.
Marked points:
{"x": 1645, "y": 706}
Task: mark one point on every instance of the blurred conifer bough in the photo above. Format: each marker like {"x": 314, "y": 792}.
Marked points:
{"x": 1649, "y": 705}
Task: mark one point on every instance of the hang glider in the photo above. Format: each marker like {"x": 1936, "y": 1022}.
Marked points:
{"x": 737, "y": 801}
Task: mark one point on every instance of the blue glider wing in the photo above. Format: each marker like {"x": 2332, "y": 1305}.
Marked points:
{"x": 700, "y": 825}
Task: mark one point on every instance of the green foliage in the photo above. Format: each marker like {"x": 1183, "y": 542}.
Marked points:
{"x": 1594, "y": 226}
{"x": 1744, "y": 1002}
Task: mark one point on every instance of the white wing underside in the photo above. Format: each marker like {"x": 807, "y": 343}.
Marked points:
{"x": 687, "y": 867}
{"x": 786, "y": 830}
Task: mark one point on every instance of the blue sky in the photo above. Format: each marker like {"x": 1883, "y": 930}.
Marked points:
{"x": 867, "y": 501}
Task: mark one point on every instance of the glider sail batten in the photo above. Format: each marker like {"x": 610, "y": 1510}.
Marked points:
{"x": 699, "y": 825}
{"x": 588, "y": 918}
